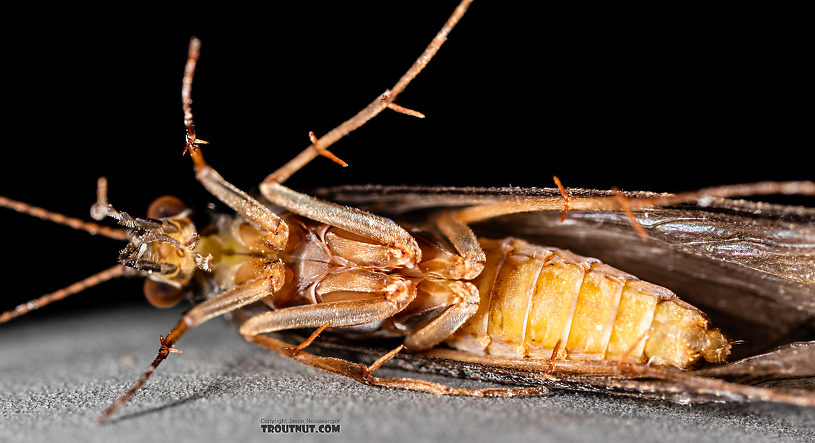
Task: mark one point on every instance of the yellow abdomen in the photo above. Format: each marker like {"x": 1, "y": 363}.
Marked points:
{"x": 535, "y": 300}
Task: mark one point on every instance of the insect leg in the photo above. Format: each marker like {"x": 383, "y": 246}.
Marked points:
{"x": 355, "y": 371}
{"x": 381, "y": 299}
{"x": 227, "y": 301}
{"x": 275, "y": 229}
{"x": 483, "y": 212}
{"x": 348, "y": 218}
{"x": 308, "y": 341}
{"x": 352, "y": 312}
{"x": 384, "y": 101}
{"x": 459, "y": 301}
{"x": 470, "y": 261}
{"x": 368, "y": 370}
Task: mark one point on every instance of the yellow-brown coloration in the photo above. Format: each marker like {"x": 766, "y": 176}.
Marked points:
{"x": 183, "y": 232}
{"x": 536, "y": 299}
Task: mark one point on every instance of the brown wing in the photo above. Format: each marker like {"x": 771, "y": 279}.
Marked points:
{"x": 750, "y": 266}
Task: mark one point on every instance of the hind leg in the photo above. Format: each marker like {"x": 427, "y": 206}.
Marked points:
{"x": 362, "y": 374}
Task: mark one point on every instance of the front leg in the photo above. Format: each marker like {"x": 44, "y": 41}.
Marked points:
{"x": 274, "y": 229}
{"x": 227, "y": 301}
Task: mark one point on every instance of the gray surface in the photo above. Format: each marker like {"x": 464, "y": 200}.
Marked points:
{"x": 60, "y": 372}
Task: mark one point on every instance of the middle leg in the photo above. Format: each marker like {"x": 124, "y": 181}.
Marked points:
{"x": 405, "y": 250}
{"x": 366, "y": 300}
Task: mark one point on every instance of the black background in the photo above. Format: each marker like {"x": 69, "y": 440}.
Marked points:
{"x": 662, "y": 99}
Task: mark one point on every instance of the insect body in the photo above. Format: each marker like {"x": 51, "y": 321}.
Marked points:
{"x": 525, "y": 300}
{"x": 535, "y": 300}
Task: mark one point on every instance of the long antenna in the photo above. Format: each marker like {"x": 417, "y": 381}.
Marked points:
{"x": 90, "y": 227}
{"x": 93, "y": 280}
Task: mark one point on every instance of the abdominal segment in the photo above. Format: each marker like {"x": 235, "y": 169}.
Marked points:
{"x": 537, "y": 300}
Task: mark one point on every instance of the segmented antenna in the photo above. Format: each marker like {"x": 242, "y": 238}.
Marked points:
{"x": 55, "y": 217}
{"x": 93, "y": 280}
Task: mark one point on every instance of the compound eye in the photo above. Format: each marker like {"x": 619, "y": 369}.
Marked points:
{"x": 162, "y": 295}
{"x": 165, "y": 206}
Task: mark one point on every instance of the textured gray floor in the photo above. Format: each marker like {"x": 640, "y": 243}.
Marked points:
{"x": 58, "y": 373}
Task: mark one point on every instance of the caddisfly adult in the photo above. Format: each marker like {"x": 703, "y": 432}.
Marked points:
{"x": 539, "y": 314}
